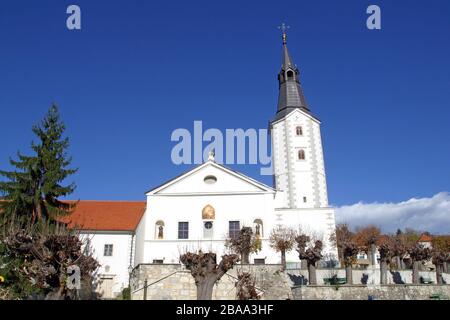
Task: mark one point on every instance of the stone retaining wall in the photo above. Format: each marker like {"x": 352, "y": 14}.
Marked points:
{"x": 376, "y": 292}
{"x": 370, "y": 276}
{"x": 174, "y": 282}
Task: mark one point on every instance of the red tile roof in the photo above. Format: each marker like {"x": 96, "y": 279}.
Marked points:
{"x": 425, "y": 238}
{"x": 106, "y": 215}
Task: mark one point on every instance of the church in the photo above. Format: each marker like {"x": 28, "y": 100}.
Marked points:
{"x": 203, "y": 207}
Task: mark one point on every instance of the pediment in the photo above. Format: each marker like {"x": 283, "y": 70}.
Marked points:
{"x": 211, "y": 178}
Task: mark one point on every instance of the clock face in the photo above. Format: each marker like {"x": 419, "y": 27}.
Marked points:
{"x": 208, "y": 225}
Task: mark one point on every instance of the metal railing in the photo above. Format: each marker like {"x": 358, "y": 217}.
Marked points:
{"x": 146, "y": 285}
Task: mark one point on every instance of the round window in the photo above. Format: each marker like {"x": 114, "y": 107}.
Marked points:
{"x": 210, "y": 179}
{"x": 208, "y": 225}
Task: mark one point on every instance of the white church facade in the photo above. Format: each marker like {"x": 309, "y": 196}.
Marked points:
{"x": 210, "y": 203}
{"x": 202, "y": 208}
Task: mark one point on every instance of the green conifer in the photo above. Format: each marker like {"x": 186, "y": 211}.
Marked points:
{"x": 32, "y": 191}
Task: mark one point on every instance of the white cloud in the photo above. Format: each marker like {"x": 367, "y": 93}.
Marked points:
{"x": 425, "y": 214}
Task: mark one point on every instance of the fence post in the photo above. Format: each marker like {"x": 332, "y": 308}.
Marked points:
{"x": 145, "y": 289}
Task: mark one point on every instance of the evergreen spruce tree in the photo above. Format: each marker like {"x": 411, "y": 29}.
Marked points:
{"x": 31, "y": 192}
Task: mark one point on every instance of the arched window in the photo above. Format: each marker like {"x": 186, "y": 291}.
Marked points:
{"x": 159, "y": 229}
{"x": 258, "y": 225}
{"x": 301, "y": 154}
{"x": 290, "y": 74}
{"x": 299, "y": 131}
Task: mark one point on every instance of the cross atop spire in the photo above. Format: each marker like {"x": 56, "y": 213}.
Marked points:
{"x": 291, "y": 95}
{"x": 283, "y": 29}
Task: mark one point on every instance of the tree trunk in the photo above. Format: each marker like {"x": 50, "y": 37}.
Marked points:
{"x": 39, "y": 210}
{"x": 373, "y": 247}
{"x": 205, "y": 288}
{"x": 415, "y": 272}
{"x": 422, "y": 267}
{"x": 369, "y": 256}
{"x": 383, "y": 272}
{"x": 312, "y": 273}
{"x": 445, "y": 267}
{"x": 303, "y": 264}
{"x": 283, "y": 260}
{"x": 439, "y": 279}
{"x": 398, "y": 263}
{"x": 349, "y": 274}
{"x": 245, "y": 257}
{"x": 33, "y": 216}
{"x": 402, "y": 263}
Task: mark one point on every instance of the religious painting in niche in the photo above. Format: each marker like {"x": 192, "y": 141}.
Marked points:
{"x": 159, "y": 229}
{"x": 258, "y": 224}
{"x": 208, "y": 213}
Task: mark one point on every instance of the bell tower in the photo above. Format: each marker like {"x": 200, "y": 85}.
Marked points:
{"x": 297, "y": 154}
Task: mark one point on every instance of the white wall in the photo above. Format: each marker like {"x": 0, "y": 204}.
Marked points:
{"x": 318, "y": 223}
{"x": 119, "y": 262}
{"x": 234, "y": 198}
{"x": 299, "y": 178}
{"x": 140, "y": 241}
{"x": 244, "y": 208}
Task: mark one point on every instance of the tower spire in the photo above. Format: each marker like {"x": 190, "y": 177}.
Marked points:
{"x": 291, "y": 93}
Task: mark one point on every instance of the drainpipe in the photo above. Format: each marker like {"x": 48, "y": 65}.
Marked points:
{"x": 130, "y": 267}
{"x": 132, "y": 250}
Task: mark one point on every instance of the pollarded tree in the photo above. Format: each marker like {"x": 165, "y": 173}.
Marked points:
{"x": 282, "y": 239}
{"x": 443, "y": 243}
{"x": 440, "y": 255}
{"x": 349, "y": 251}
{"x": 35, "y": 264}
{"x": 245, "y": 287}
{"x": 302, "y": 242}
{"x": 398, "y": 249}
{"x": 244, "y": 244}
{"x": 206, "y": 271}
{"x": 367, "y": 238}
{"x": 385, "y": 258}
{"x": 312, "y": 255}
{"x": 418, "y": 254}
{"x": 340, "y": 238}
{"x": 32, "y": 191}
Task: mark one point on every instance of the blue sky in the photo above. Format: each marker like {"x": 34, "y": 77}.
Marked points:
{"x": 140, "y": 69}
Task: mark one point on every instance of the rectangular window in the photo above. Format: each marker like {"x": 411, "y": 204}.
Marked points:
{"x": 183, "y": 230}
{"x": 108, "y": 251}
{"x": 260, "y": 261}
{"x": 234, "y": 229}
{"x": 158, "y": 261}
